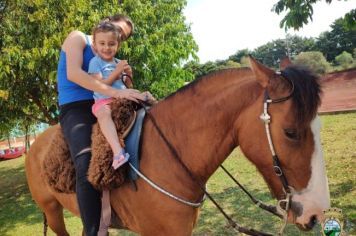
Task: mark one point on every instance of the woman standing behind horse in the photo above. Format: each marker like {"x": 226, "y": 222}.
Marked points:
{"x": 75, "y": 89}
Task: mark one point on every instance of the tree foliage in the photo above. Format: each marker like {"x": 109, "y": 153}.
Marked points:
{"x": 300, "y": 12}
{"x": 330, "y": 44}
{"x": 272, "y": 52}
{"x": 161, "y": 44}
{"x": 339, "y": 39}
{"x": 32, "y": 32}
{"x": 199, "y": 70}
{"x": 240, "y": 54}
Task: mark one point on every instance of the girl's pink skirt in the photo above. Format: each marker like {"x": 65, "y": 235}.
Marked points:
{"x": 99, "y": 103}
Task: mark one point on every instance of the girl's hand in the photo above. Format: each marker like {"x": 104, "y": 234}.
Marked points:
{"x": 121, "y": 67}
{"x": 128, "y": 70}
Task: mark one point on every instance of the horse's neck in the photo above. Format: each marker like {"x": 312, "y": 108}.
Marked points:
{"x": 199, "y": 121}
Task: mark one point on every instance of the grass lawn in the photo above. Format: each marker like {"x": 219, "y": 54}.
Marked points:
{"x": 19, "y": 216}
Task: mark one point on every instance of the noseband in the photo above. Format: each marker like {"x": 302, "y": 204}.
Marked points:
{"x": 283, "y": 204}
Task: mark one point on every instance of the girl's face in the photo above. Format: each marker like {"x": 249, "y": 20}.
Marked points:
{"x": 106, "y": 45}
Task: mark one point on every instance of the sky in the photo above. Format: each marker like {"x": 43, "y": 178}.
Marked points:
{"x": 222, "y": 27}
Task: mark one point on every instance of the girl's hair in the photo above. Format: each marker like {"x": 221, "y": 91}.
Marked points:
{"x": 120, "y": 17}
{"x": 106, "y": 26}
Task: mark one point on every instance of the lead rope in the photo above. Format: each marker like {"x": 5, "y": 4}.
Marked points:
{"x": 269, "y": 208}
{"x": 233, "y": 224}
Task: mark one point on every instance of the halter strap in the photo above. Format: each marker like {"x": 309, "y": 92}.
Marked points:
{"x": 266, "y": 118}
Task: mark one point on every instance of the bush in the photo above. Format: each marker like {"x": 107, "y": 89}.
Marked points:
{"x": 231, "y": 64}
{"x": 345, "y": 60}
{"x": 313, "y": 60}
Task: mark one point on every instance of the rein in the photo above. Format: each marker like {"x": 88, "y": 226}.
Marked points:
{"x": 234, "y": 225}
{"x": 269, "y": 208}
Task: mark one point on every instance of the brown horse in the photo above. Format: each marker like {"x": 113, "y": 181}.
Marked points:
{"x": 204, "y": 121}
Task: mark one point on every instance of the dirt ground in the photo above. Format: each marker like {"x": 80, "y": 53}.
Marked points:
{"x": 339, "y": 92}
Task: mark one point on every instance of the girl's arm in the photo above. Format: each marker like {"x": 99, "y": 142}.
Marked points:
{"x": 115, "y": 75}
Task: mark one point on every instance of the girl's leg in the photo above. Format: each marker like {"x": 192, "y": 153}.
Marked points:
{"x": 108, "y": 128}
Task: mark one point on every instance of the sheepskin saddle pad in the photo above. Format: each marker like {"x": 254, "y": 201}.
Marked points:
{"x": 58, "y": 167}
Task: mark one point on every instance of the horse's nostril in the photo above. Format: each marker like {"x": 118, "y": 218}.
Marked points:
{"x": 312, "y": 222}
{"x": 310, "y": 225}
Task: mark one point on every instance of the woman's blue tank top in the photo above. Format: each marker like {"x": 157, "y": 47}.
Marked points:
{"x": 67, "y": 90}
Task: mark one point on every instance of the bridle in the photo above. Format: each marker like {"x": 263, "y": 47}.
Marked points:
{"x": 283, "y": 205}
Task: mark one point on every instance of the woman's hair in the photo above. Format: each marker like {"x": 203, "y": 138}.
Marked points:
{"x": 106, "y": 26}
{"x": 120, "y": 17}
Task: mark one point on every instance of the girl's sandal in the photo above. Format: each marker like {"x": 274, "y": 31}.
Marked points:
{"x": 120, "y": 159}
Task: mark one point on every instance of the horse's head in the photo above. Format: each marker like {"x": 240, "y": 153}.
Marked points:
{"x": 291, "y": 99}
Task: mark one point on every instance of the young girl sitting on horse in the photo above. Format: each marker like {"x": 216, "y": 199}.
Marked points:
{"x": 108, "y": 69}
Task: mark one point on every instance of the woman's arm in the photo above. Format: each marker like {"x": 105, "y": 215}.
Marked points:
{"x": 73, "y": 46}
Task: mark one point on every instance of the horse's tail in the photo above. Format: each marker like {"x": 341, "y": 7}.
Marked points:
{"x": 45, "y": 224}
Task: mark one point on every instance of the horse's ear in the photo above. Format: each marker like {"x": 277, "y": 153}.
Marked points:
{"x": 262, "y": 73}
{"x": 284, "y": 63}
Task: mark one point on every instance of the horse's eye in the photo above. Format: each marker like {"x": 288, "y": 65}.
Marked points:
{"x": 292, "y": 134}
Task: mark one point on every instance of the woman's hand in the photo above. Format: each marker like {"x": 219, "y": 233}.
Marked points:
{"x": 129, "y": 94}
{"x": 149, "y": 98}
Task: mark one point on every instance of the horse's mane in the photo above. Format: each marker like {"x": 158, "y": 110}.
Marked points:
{"x": 306, "y": 95}
{"x": 207, "y": 77}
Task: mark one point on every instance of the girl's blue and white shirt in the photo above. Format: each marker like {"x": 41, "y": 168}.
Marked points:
{"x": 98, "y": 65}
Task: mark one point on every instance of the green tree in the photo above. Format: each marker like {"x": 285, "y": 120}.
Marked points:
{"x": 32, "y": 32}
{"x": 300, "y": 12}
{"x": 231, "y": 64}
{"x": 345, "y": 60}
{"x": 240, "y": 54}
{"x": 339, "y": 39}
{"x": 272, "y": 52}
{"x": 296, "y": 44}
{"x": 200, "y": 70}
{"x": 315, "y": 61}
{"x": 208, "y": 67}
{"x": 162, "y": 43}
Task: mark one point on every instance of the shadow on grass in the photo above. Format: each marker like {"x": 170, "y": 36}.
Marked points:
{"x": 17, "y": 210}
{"x": 340, "y": 189}
{"x": 16, "y": 203}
